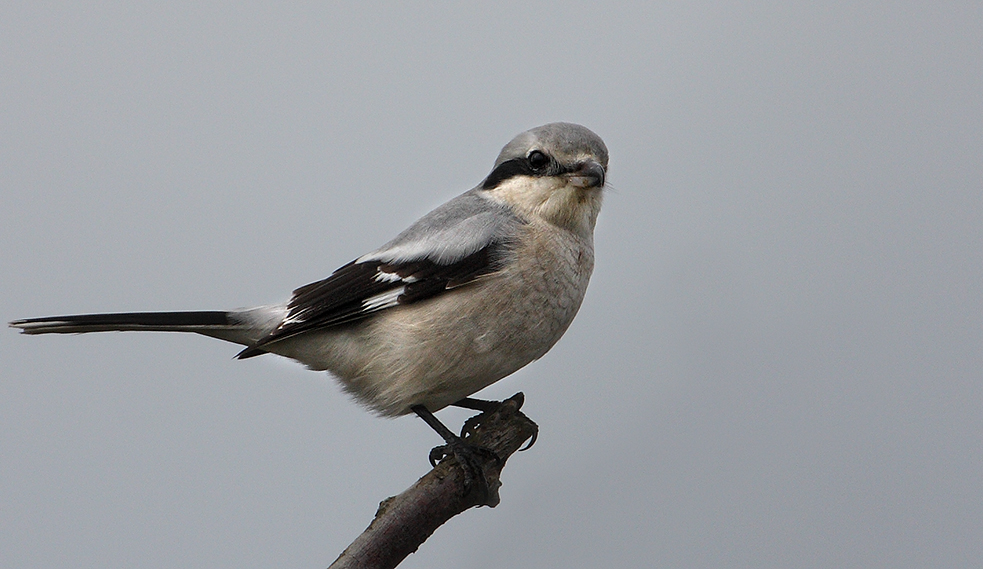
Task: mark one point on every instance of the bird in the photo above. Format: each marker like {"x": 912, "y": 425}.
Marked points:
{"x": 470, "y": 293}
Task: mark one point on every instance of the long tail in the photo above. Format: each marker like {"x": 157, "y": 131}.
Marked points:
{"x": 241, "y": 327}
{"x": 126, "y": 321}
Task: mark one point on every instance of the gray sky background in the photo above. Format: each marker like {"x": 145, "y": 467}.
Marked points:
{"x": 778, "y": 363}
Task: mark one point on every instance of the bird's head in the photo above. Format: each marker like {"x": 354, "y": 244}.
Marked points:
{"x": 554, "y": 172}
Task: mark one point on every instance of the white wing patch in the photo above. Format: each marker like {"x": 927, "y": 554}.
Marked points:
{"x": 293, "y": 319}
{"x": 384, "y": 277}
{"x": 383, "y": 300}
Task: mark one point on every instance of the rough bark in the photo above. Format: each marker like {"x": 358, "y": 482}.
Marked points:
{"x": 405, "y": 521}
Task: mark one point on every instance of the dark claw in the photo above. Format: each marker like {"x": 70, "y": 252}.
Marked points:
{"x": 471, "y": 426}
{"x": 531, "y": 442}
{"x": 437, "y": 454}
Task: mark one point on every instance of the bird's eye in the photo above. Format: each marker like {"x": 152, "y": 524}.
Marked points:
{"x": 538, "y": 160}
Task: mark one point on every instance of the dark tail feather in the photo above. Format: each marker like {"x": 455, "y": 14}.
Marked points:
{"x": 200, "y": 322}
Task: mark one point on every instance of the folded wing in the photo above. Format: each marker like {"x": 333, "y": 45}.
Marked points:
{"x": 450, "y": 247}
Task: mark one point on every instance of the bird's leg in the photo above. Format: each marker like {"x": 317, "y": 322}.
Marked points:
{"x": 482, "y": 405}
{"x": 470, "y": 457}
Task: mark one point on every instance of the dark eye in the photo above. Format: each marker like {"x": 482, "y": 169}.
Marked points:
{"x": 538, "y": 160}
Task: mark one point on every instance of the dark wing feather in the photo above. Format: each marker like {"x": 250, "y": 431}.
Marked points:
{"x": 335, "y": 299}
{"x": 426, "y": 278}
{"x": 342, "y": 297}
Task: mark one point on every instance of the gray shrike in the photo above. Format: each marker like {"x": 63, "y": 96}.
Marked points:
{"x": 470, "y": 293}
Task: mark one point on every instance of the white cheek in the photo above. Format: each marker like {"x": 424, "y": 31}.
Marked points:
{"x": 526, "y": 192}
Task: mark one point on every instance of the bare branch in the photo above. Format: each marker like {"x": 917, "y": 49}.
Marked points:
{"x": 405, "y": 521}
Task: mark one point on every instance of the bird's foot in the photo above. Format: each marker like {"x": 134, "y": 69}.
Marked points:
{"x": 472, "y": 460}
{"x": 472, "y": 425}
